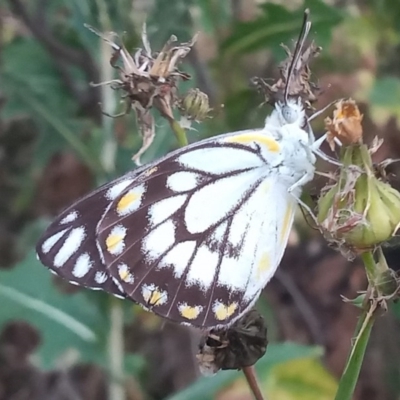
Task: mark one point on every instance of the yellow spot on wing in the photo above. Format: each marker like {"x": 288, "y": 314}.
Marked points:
{"x": 286, "y": 223}
{"x": 127, "y": 200}
{"x": 247, "y": 138}
{"x": 190, "y": 312}
{"x": 154, "y": 297}
{"x": 125, "y": 275}
{"x": 264, "y": 265}
{"x": 113, "y": 241}
{"x": 223, "y": 311}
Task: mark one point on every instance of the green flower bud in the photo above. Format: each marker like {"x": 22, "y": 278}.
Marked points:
{"x": 359, "y": 211}
{"x": 195, "y": 105}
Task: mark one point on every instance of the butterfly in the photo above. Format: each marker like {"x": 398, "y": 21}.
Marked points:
{"x": 196, "y": 235}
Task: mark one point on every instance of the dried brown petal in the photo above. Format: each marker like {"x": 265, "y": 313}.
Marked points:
{"x": 147, "y": 131}
{"x": 300, "y": 84}
{"x": 345, "y": 124}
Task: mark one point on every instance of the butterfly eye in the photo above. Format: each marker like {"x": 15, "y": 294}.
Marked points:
{"x": 290, "y": 114}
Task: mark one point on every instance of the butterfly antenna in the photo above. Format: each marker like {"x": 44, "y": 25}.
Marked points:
{"x": 305, "y": 29}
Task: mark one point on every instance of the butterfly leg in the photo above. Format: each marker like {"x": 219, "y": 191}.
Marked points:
{"x": 316, "y": 149}
{"x": 293, "y": 192}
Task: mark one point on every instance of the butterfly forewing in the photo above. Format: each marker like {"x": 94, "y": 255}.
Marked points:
{"x": 69, "y": 245}
{"x": 192, "y": 237}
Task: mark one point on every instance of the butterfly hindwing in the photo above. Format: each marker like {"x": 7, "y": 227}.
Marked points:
{"x": 69, "y": 246}
{"x": 193, "y": 236}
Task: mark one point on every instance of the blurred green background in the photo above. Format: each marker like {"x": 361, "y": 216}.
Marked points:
{"x": 61, "y": 342}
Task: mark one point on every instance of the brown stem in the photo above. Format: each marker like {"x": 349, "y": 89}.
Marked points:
{"x": 251, "y": 377}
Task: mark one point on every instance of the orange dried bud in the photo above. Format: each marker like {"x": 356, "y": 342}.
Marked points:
{"x": 345, "y": 125}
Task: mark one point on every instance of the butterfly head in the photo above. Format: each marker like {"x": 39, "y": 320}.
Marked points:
{"x": 291, "y": 112}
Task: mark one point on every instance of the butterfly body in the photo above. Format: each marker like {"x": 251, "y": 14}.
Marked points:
{"x": 194, "y": 236}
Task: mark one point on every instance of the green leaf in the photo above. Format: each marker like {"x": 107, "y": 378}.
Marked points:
{"x": 206, "y": 388}
{"x": 29, "y": 70}
{"x": 65, "y": 321}
{"x": 302, "y": 379}
{"x": 278, "y": 25}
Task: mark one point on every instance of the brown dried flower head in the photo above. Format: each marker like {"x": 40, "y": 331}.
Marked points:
{"x": 300, "y": 81}
{"x": 148, "y": 80}
{"x": 239, "y": 346}
{"x": 345, "y": 124}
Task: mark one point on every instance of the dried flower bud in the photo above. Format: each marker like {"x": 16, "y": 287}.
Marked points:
{"x": 345, "y": 125}
{"x": 195, "y": 105}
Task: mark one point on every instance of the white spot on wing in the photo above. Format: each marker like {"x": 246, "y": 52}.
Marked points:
{"x": 118, "y": 285}
{"x": 178, "y": 257}
{"x": 219, "y": 160}
{"x": 213, "y": 202}
{"x": 159, "y": 240}
{"x": 203, "y": 268}
{"x": 52, "y": 240}
{"x": 72, "y": 216}
{"x": 70, "y": 246}
{"x": 100, "y": 277}
{"x": 114, "y": 191}
{"x": 182, "y": 181}
{"x": 163, "y": 209}
{"x": 82, "y": 265}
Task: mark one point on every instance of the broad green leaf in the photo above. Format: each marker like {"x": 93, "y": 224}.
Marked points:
{"x": 65, "y": 322}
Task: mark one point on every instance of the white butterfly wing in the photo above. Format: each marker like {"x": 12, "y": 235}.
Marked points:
{"x": 197, "y": 235}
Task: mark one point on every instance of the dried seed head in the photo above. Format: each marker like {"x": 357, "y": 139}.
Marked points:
{"x": 345, "y": 124}
{"x": 300, "y": 83}
{"x": 239, "y": 346}
{"x": 148, "y": 80}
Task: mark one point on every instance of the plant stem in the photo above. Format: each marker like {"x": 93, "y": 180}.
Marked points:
{"x": 179, "y": 133}
{"x": 107, "y": 157}
{"x": 370, "y": 266}
{"x": 116, "y": 350}
{"x": 362, "y": 333}
{"x": 351, "y": 372}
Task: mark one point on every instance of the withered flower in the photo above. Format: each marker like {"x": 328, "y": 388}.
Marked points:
{"x": 236, "y": 347}
{"x": 300, "y": 81}
{"x": 359, "y": 211}
{"x": 149, "y": 80}
{"x": 345, "y": 124}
